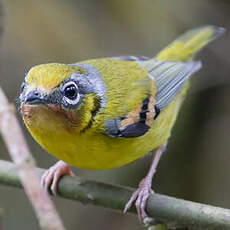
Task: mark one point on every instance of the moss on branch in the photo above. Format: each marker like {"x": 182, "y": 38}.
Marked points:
{"x": 175, "y": 213}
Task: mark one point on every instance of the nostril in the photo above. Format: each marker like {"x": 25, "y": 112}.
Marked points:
{"x": 33, "y": 97}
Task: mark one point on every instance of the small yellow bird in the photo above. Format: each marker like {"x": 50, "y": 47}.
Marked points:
{"x": 105, "y": 113}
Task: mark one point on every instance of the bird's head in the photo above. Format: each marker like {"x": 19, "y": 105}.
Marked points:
{"x": 60, "y": 97}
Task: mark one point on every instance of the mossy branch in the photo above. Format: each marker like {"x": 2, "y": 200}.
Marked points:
{"x": 175, "y": 213}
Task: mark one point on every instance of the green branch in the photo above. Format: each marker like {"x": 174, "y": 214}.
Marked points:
{"x": 175, "y": 213}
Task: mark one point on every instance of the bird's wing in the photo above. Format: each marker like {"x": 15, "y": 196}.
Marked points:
{"x": 131, "y": 58}
{"x": 135, "y": 123}
{"x": 169, "y": 78}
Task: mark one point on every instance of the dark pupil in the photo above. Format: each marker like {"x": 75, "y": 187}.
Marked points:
{"x": 71, "y": 92}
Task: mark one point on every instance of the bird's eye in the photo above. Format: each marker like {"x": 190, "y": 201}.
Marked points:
{"x": 71, "y": 91}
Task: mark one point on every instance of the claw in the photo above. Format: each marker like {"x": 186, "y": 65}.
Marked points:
{"x": 140, "y": 195}
{"x": 131, "y": 200}
{"x": 144, "y": 189}
{"x": 53, "y": 174}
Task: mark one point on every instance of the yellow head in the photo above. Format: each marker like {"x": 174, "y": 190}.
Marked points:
{"x": 58, "y": 99}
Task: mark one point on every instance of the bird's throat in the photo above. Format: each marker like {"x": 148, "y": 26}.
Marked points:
{"x": 49, "y": 118}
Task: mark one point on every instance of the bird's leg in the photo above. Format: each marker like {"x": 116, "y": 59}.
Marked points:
{"x": 53, "y": 174}
{"x": 144, "y": 189}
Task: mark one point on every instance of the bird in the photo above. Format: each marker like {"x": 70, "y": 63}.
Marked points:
{"x": 107, "y": 112}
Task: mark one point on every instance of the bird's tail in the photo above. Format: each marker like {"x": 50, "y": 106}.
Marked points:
{"x": 188, "y": 44}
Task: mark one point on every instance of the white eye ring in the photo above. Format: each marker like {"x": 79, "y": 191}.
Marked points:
{"x": 69, "y": 88}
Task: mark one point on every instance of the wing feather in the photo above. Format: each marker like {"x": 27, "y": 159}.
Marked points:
{"x": 170, "y": 77}
{"x": 131, "y": 58}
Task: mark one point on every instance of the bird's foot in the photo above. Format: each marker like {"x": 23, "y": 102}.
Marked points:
{"x": 140, "y": 195}
{"x": 53, "y": 174}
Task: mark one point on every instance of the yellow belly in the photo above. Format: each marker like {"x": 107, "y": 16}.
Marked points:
{"x": 92, "y": 149}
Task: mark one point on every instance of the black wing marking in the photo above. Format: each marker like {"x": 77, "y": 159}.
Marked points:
{"x": 136, "y": 123}
{"x": 112, "y": 129}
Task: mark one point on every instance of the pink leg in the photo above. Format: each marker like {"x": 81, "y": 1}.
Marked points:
{"x": 53, "y": 174}
{"x": 144, "y": 189}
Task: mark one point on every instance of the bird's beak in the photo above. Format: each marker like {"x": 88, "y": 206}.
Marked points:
{"x": 34, "y": 98}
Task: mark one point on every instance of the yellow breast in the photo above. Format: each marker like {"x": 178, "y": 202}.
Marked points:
{"x": 92, "y": 149}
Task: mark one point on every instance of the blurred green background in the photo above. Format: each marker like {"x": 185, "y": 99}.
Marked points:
{"x": 196, "y": 164}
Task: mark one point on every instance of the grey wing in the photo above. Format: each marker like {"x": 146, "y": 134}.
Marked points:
{"x": 170, "y": 77}
{"x": 131, "y": 58}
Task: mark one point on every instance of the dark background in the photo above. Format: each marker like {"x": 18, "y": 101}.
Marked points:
{"x": 196, "y": 164}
